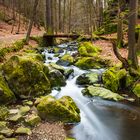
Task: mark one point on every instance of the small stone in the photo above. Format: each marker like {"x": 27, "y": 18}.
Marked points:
{"x": 28, "y": 103}
{"x": 13, "y": 111}
{"x": 24, "y": 110}
{"x": 1, "y": 137}
{"x": 4, "y": 130}
{"x": 23, "y": 130}
{"x": 33, "y": 120}
{"x": 15, "y": 118}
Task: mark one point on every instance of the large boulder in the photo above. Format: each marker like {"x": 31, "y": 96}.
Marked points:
{"x": 136, "y": 90}
{"x": 91, "y": 63}
{"x": 6, "y": 95}
{"x": 88, "y": 78}
{"x": 88, "y": 49}
{"x": 26, "y": 76}
{"x": 114, "y": 78}
{"x": 56, "y": 78}
{"x": 101, "y": 92}
{"x": 63, "y": 109}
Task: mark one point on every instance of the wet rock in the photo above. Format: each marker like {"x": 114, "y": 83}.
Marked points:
{"x": 6, "y": 95}
{"x": 23, "y": 131}
{"x": 56, "y": 78}
{"x": 26, "y": 76}
{"x": 57, "y": 67}
{"x": 114, "y": 78}
{"x": 88, "y": 78}
{"x": 66, "y": 60}
{"x": 63, "y": 109}
{"x": 4, "y": 130}
{"x": 136, "y": 90}
{"x": 68, "y": 72}
{"x": 4, "y": 112}
{"x": 91, "y": 63}
{"x": 101, "y": 92}
{"x": 87, "y": 49}
{"x": 33, "y": 120}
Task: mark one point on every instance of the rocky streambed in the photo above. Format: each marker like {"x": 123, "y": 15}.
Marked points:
{"x": 73, "y": 87}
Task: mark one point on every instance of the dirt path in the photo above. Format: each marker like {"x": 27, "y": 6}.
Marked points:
{"x": 8, "y": 39}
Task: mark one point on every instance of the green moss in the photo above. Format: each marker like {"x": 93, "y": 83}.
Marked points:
{"x": 18, "y": 45}
{"x": 68, "y": 58}
{"x": 136, "y": 90}
{"x": 113, "y": 78}
{"x": 4, "y": 112}
{"x": 23, "y": 131}
{"x": 33, "y": 120}
{"x": 63, "y": 109}
{"x": 102, "y": 92}
{"x": 91, "y": 62}
{"x": 26, "y": 77}
{"x": 88, "y": 49}
{"x": 56, "y": 78}
{"x": 6, "y": 95}
{"x": 87, "y": 78}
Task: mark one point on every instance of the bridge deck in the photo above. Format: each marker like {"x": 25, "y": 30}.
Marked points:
{"x": 62, "y": 36}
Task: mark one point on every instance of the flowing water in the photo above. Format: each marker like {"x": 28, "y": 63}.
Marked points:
{"x": 100, "y": 119}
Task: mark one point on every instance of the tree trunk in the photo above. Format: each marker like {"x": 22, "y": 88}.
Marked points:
{"x": 31, "y": 21}
{"x": 132, "y": 56}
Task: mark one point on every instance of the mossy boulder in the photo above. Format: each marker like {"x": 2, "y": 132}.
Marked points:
{"x": 101, "y": 92}
{"x": 66, "y": 60}
{"x": 63, "y": 109}
{"x": 88, "y": 78}
{"x": 6, "y": 95}
{"x": 114, "y": 78}
{"x": 26, "y": 76}
{"x": 91, "y": 63}
{"x": 87, "y": 49}
{"x": 56, "y": 78}
{"x": 136, "y": 90}
{"x": 57, "y": 67}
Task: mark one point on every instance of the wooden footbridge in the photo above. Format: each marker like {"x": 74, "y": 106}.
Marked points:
{"x": 50, "y": 39}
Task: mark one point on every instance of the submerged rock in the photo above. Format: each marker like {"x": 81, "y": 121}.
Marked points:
{"x": 26, "y": 76}
{"x": 136, "y": 90}
{"x": 87, "y": 49}
{"x": 91, "y": 63}
{"x": 114, "y": 78}
{"x": 101, "y": 92}
{"x": 6, "y": 95}
{"x": 63, "y": 109}
{"x": 88, "y": 78}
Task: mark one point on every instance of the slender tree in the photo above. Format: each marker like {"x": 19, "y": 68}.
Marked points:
{"x": 31, "y": 20}
{"x": 132, "y": 56}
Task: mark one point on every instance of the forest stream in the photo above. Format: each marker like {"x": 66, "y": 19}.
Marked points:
{"x": 100, "y": 119}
